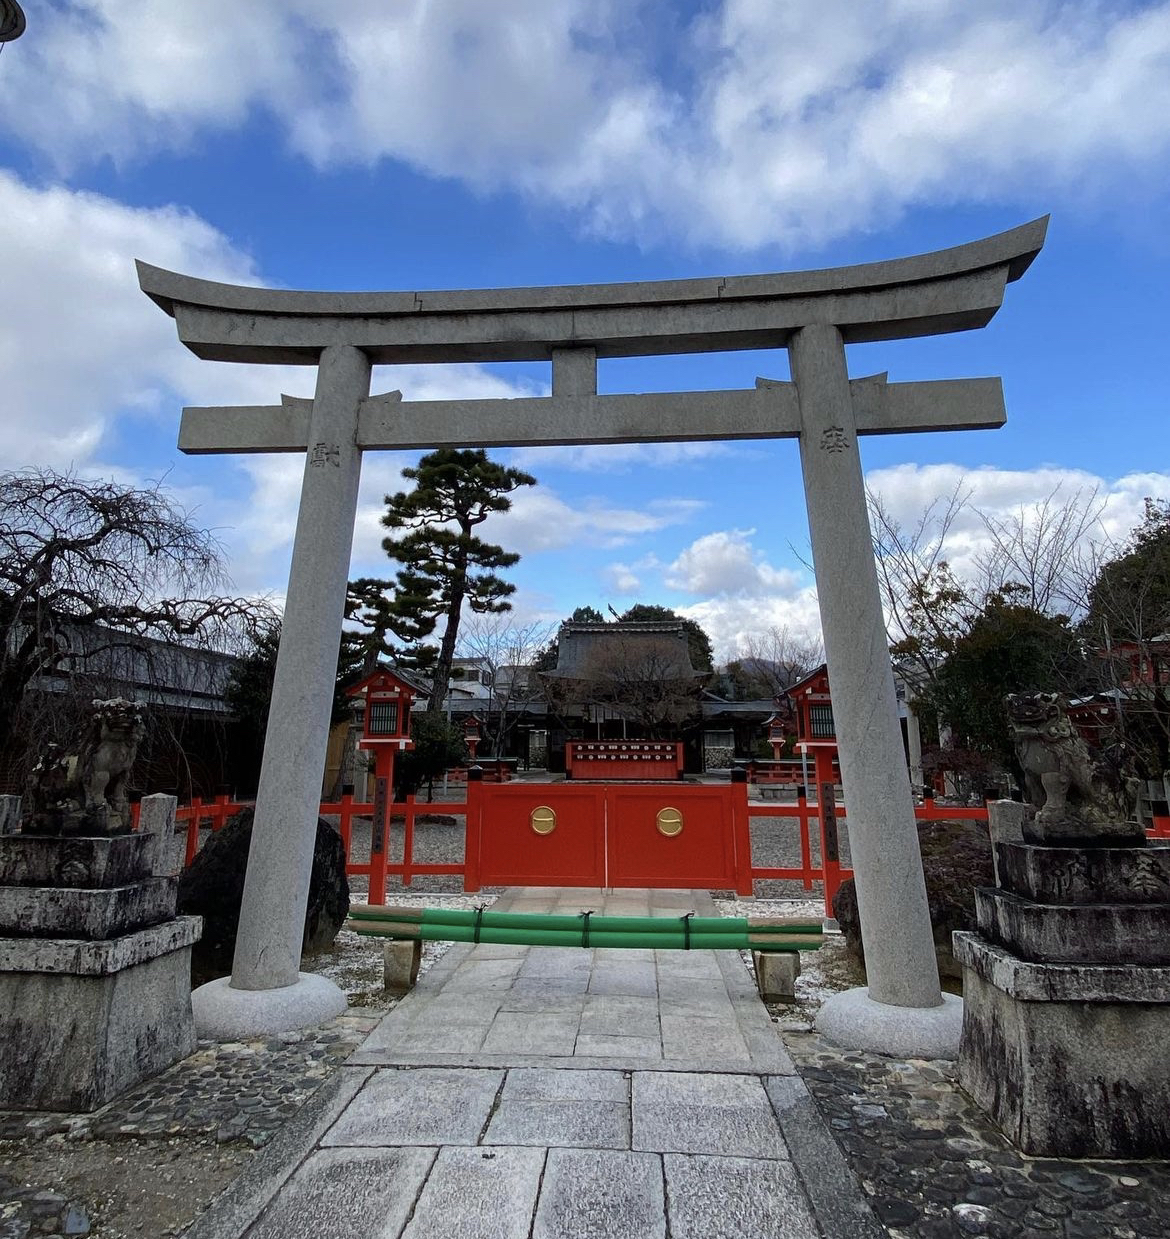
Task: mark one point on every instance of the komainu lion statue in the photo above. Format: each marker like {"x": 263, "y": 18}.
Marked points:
{"x": 86, "y": 793}
{"x": 1080, "y": 797}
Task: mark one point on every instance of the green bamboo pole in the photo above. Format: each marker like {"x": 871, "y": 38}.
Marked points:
{"x": 575, "y": 937}
{"x": 602, "y": 924}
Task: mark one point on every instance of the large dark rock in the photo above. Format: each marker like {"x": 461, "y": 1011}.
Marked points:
{"x": 212, "y": 887}
{"x": 956, "y": 858}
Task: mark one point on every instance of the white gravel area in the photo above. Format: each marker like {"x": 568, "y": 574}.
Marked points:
{"x": 822, "y": 972}
{"x": 355, "y": 962}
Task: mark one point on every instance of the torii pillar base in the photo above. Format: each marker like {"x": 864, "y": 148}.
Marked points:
{"x": 223, "y": 1013}
{"x": 855, "y": 1020}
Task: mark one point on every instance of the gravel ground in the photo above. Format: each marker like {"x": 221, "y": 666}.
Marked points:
{"x": 933, "y": 1165}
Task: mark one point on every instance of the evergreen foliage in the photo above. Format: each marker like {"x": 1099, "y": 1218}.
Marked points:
{"x": 444, "y": 563}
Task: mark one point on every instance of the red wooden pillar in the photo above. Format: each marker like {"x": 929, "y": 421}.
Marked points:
{"x": 802, "y": 816}
{"x": 741, "y": 832}
{"x": 827, "y": 812}
{"x": 383, "y": 796}
{"x": 473, "y": 830}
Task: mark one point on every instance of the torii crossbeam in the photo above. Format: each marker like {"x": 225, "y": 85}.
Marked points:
{"x": 812, "y": 314}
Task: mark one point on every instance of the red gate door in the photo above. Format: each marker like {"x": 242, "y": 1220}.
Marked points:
{"x": 542, "y": 835}
{"x": 674, "y": 835}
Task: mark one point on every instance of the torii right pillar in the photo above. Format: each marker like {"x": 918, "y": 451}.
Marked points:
{"x": 903, "y": 1009}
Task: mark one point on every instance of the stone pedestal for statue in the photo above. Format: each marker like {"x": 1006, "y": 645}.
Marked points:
{"x": 1066, "y": 988}
{"x": 95, "y": 968}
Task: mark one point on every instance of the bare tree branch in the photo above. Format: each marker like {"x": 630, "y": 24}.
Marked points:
{"x": 97, "y": 580}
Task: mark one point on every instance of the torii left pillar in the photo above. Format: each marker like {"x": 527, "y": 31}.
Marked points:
{"x": 267, "y": 992}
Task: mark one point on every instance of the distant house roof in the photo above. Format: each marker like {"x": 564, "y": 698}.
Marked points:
{"x": 112, "y": 662}
{"x": 581, "y": 646}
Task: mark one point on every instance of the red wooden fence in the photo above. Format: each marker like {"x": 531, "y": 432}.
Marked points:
{"x": 477, "y": 810}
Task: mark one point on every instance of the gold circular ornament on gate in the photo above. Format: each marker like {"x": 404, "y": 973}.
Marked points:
{"x": 670, "y": 822}
{"x": 543, "y": 820}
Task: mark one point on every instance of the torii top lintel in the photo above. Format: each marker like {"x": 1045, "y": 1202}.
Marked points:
{"x": 948, "y": 290}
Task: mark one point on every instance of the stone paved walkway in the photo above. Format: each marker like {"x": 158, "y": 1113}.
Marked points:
{"x": 561, "y": 1093}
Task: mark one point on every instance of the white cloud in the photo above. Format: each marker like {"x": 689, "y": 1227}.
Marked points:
{"x": 540, "y": 520}
{"x": 907, "y": 490}
{"x": 617, "y": 457}
{"x": 789, "y": 123}
{"x": 629, "y": 580}
{"x": 85, "y": 357}
{"x": 725, "y": 563}
{"x": 79, "y": 339}
{"x": 737, "y": 624}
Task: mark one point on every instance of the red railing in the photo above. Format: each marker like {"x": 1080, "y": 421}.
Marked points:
{"x": 199, "y": 815}
{"x": 828, "y": 869}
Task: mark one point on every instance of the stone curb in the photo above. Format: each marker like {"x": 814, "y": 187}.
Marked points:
{"x": 838, "y": 1203}
{"x": 247, "y": 1197}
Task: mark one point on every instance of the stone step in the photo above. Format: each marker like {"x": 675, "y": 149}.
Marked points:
{"x": 58, "y": 912}
{"x": 84, "y": 861}
{"x": 1086, "y": 933}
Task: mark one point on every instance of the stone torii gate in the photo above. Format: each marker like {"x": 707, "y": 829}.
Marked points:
{"x": 814, "y": 315}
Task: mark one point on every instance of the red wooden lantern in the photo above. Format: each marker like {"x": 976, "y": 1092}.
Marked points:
{"x": 472, "y": 735}
{"x": 385, "y": 730}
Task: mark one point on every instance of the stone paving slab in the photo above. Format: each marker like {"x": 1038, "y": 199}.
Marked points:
{"x": 595, "y": 1194}
{"x": 549, "y": 1035}
{"x": 621, "y": 1016}
{"x": 429, "y": 1106}
{"x": 688, "y": 1112}
{"x": 563, "y": 1124}
{"x": 347, "y": 1194}
{"x": 548, "y": 1084}
{"x": 730, "y": 1197}
{"x": 477, "y": 1194}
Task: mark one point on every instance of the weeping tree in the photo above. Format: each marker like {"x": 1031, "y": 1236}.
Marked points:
{"x": 445, "y": 564}
{"x": 99, "y": 583}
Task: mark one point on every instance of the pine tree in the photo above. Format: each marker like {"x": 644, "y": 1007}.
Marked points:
{"x": 445, "y": 564}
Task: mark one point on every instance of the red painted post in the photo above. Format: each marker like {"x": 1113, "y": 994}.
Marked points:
{"x": 407, "y": 839}
{"x": 741, "y": 832}
{"x": 805, "y": 843}
{"x": 827, "y": 811}
{"x": 192, "y": 834}
{"x": 383, "y": 771}
{"x": 345, "y": 821}
{"x": 472, "y": 831}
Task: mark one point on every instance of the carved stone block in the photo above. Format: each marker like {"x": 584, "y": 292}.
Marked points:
{"x": 82, "y": 1022}
{"x": 85, "y": 861}
{"x": 1099, "y": 933}
{"x": 58, "y": 912}
{"x": 1069, "y": 1060}
{"x": 1084, "y": 875}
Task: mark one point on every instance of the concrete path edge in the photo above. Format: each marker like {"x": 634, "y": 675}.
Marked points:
{"x": 838, "y": 1202}
{"x": 250, "y": 1194}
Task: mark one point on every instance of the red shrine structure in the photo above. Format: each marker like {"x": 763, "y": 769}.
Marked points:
{"x": 385, "y": 731}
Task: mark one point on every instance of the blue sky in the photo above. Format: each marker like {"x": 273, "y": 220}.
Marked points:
{"x": 398, "y": 144}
